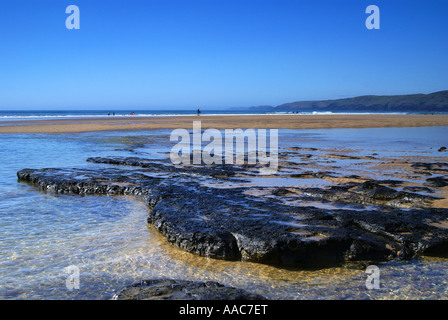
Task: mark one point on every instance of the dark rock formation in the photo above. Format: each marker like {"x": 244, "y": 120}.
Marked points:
{"x": 222, "y": 171}
{"x": 418, "y": 189}
{"x": 168, "y": 289}
{"x": 370, "y": 193}
{"x": 311, "y": 174}
{"x": 226, "y": 223}
{"x": 437, "y": 182}
{"x": 436, "y": 167}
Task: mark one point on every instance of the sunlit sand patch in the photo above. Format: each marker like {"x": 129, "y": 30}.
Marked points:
{"x": 440, "y": 224}
{"x": 343, "y": 180}
{"x": 443, "y": 194}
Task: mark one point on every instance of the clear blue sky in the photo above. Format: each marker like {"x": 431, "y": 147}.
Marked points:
{"x": 155, "y": 54}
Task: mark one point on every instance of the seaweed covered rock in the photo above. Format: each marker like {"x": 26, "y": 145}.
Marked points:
{"x": 170, "y": 289}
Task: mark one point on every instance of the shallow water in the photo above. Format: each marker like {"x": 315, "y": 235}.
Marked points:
{"x": 108, "y": 240}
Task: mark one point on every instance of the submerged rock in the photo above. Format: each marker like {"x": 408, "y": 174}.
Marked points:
{"x": 227, "y": 223}
{"x": 437, "y": 182}
{"x": 418, "y": 189}
{"x": 433, "y": 166}
{"x": 168, "y": 289}
{"x": 371, "y": 193}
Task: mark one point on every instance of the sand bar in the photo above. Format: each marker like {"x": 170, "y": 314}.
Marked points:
{"x": 284, "y": 121}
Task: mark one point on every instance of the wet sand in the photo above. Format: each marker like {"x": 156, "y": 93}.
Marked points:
{"x": 284, "y": 121}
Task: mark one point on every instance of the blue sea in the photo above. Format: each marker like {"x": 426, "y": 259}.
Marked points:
{"x": 108, "y": 240}
{"x": 14, "y": 115}
{"x": 17, "y": 115}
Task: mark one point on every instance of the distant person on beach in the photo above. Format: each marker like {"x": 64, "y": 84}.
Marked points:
{"x": 108, "y": 113}
{"x": 199, "y": 112}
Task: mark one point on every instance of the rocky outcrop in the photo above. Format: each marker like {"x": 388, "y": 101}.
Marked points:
{"x": 169, "y": 289}
{"x": 437, "y": 182}
{"x": 372, "y": 193}
{"x": 227, "y": 223}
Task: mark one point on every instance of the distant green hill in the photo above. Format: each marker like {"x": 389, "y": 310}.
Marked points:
{"x": 433, "y": 102}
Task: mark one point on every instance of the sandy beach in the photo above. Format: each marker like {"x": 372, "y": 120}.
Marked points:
{"x": 284, "y": 121}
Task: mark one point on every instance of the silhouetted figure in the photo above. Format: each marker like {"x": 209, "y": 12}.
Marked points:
{"x": 199, "y": 112}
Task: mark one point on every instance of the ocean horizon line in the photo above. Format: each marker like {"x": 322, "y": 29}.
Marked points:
{"x": 20, "y": 115}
